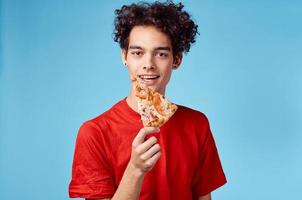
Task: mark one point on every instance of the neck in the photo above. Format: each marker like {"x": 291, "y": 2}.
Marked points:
{"x": 131, "y": 100}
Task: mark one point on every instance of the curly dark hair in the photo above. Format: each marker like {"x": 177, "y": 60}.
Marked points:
{"x": 169, "y": 17}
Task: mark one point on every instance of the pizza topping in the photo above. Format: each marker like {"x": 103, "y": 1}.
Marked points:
{"x": 153, "y": 107}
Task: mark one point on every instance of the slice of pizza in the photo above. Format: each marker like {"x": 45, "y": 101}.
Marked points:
{"x": 154, "y": 108}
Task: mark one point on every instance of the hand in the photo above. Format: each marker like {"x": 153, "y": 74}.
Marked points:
{"x": 145, "y": 154}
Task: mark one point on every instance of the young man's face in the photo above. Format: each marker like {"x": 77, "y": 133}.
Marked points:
{"x": 150, "y": 57}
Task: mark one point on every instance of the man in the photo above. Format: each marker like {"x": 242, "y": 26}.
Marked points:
{"x": 115, "y": 157}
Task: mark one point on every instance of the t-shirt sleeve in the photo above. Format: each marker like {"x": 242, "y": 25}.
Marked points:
{"x": 209, "y": 174}
{"x": 91, "y": 172}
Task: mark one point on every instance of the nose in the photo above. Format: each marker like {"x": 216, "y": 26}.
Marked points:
{"x": 148, "y": 67}
{"x": 149, "y": 62}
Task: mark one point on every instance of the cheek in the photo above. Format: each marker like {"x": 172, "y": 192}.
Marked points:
{"x": 132, "y": 75}
{"x": 133, "y": 71}
{"x": 132, "y": 65}
{"x": 167, "y": 75}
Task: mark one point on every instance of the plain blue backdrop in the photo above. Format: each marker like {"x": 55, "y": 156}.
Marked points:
{"x": 60, "y": 67}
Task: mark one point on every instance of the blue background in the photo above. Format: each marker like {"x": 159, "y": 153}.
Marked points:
{"x": 60, "y": 67}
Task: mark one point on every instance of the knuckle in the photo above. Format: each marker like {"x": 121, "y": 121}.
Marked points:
{"x": 142, "y": 157}
{"x": 157, "y": 146}
{"x": 156, "y": 156}
{"x": 148, "y": 165}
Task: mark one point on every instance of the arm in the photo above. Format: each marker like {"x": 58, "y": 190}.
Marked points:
{"x": 205, "y": 197}
{"x": 144, "y": 155}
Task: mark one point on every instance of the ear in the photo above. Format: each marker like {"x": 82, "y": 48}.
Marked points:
{"x": 124, "y": 56}
{"x": 177, "y": 61}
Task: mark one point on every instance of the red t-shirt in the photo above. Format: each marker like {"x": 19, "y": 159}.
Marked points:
{"x": 189, "y": 165}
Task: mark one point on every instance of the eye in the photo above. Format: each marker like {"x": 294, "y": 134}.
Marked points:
{"x": 136, "y": 53}
{"x": 161, "y": 54}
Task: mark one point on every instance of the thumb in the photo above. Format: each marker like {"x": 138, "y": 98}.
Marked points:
{"x": 140, "y": 137}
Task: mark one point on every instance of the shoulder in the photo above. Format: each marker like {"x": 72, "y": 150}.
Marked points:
{"x": 96, "y": 125}
{"x": 191, "y": 114}
{"x": 107, "y": 116}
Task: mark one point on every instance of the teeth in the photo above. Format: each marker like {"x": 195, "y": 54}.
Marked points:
{"x": 148, "y": 76}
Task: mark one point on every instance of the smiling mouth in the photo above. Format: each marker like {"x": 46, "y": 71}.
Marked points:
{"x": 148, "y": 77}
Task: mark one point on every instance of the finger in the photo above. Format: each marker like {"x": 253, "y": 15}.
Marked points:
{"x": 151, "y": 162}
{"x": 140, "y": 138}
{"x": 142, "y": 148}
{"x": 152, "y": 151}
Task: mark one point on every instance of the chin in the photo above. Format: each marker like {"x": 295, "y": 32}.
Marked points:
{"x": 157, "y": 89}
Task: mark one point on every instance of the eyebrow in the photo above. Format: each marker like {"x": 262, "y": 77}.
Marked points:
{"x": 163, "y": 48}
{"x": 157, "y": 48}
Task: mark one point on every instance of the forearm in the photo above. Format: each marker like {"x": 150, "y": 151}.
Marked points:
{"x": 130, "y": 185}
